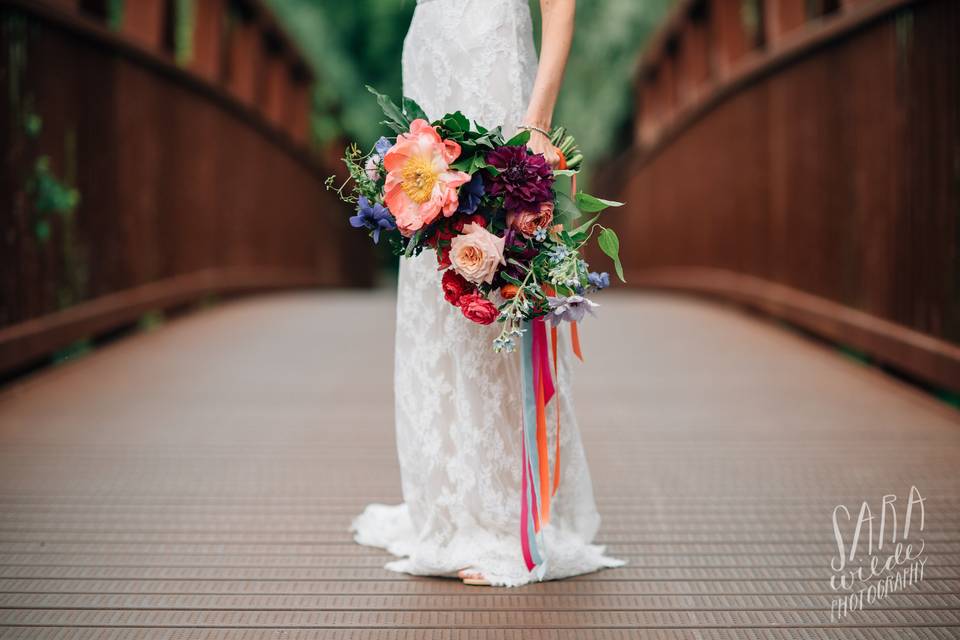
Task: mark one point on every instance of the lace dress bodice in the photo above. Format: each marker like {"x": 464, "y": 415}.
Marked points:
{"x": 476, "y": 56}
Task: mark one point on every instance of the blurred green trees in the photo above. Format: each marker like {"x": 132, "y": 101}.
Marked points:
{"x": 359, "y": 42}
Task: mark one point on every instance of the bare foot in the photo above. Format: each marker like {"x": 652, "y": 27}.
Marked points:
{"x": 473, "y": 578}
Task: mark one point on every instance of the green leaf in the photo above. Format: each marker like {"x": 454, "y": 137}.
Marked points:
{"x": 455, "y": 122}
{"x": 585, "y": 226}
{"x": 463, "y": 163}
{"x": 610, "y": 245}
{"x": 42, "y": 230}
{"x": 520, "y": 139}
{"x": 565, "y": 211}
{"x": 463, "y": 124}
{"x": 477, "y": 164}
{"x": 390, "y": 110}
{"x": 565, "y": 172}
{"x": 506, "y": 276}
{"x": 590, "y": 204}
{"x": 413, "y": 243}
{"x": 393, "y": 126}
{"x": 412, "y": 110}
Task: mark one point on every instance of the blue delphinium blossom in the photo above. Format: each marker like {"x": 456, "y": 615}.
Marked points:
{"x": 540, "y": 234}
{"x": 598, "y": 280}
{"x": 470, "y": 194}
{"x": 569, "y": 308}
{"x": 382, "y": 146}
{"x": 374, "y": 216}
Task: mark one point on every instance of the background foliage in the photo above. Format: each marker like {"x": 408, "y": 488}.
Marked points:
{"x": 359, "y": 42}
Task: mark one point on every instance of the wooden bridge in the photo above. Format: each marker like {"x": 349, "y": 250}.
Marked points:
{"x": 791, "y": 338}
{"x": 198, "y": 481}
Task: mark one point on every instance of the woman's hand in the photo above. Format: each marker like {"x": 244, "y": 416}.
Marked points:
{"x": 540, "y": 143}
{"x": 556, "y": 34}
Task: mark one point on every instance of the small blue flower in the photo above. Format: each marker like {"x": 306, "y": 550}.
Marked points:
{"x": 558, "y": 253}
{"x": 598, "y": 280}
{"x": 569, "y": 308}
{"x": 374, "y": 216}
{"x": 382, "y": 146}
{"x": 470, "y": 194}
{"x": 540, "y": 234}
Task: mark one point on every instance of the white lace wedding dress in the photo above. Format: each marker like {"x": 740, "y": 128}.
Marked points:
{"x": 458, "y": 411}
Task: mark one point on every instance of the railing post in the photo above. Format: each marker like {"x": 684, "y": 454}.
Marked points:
{"x": 729, "y": 36}
{"x": 209, "y": 17}
{"x": 668, "y": 82}
{"x": 693, "y": 60}
{"x": 298, "y": 105}
{"x": 275, "y": 79}
{"x": 143, "y": 22}
{"x": 651, "y": 107}
{"x": 782, "y": 17}
{"x": 245, "y": 56}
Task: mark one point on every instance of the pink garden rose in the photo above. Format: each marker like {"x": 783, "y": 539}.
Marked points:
{"x": 527, "y": 222}
{"x": 420, "y": 183}
{"x": 476, "y": 253}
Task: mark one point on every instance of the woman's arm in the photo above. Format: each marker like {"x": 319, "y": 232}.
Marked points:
{"x": 556, "y": 35}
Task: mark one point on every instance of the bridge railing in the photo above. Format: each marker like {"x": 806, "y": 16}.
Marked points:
{"x": 155, "y": 152}
{"x": 800, "y": 157}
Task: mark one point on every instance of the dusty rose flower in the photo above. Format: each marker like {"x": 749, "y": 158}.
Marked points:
{"x": 527, "y": 222}
{"x": 476, "y": 254}
{"x": 477, "y": 308}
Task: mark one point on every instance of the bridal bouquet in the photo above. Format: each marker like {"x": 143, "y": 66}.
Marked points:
{"x": 508, "y": 231}
{"x": 506, "y": 228}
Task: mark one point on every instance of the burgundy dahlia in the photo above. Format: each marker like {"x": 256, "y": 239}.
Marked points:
{"x": 525, "y": 180}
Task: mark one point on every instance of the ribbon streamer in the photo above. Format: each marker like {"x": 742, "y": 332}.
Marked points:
{"x": 529, "y": 489}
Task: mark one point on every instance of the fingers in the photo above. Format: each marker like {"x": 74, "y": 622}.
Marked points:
{"x": 548, "y": 151}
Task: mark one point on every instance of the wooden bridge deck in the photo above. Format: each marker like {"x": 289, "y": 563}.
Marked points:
{"x": 197, "y": 482}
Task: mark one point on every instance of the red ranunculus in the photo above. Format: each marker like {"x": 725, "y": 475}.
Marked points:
{"x": 477, "y": 308}
{"x": 471, "y": 219}
{"x": 455, "y": 287}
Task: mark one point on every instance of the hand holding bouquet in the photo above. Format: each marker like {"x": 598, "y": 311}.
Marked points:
{"x": 507, "y": 229}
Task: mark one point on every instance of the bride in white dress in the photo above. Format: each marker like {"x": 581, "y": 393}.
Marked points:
{"x": 458, "y": 405}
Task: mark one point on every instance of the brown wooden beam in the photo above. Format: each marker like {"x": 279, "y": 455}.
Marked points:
{"x": 922, "y": 355}
{"x": 29, "y": 341}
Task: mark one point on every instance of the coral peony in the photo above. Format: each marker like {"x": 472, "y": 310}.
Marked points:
{"x": 420, "y": 184}
{"x": 528, "y": 222}
{"x": 524, "y": 180}
{"x": 478, "y": 309}
{"x": 455, "y": 287}
{"x": 476, "y": 253}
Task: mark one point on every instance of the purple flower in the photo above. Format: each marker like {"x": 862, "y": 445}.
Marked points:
{"x": 374, "y": 216}
{"x": 570, "y": 308}
{"x": 598, "y": 280}
{"x": 382, "y": 146}
{"x": 524, "y": 180}
{"x": 470, "y": 194}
